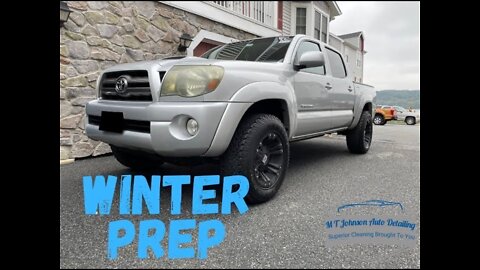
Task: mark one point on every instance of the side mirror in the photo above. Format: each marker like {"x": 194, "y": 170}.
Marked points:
{"x": 309, "y": 59}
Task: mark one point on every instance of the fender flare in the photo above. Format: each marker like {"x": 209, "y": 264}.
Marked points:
{"x": 360, "y": 103}
{"x": 241, "y": 101}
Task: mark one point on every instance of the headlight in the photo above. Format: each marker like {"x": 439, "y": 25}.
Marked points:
{"x": 191, "y": 81}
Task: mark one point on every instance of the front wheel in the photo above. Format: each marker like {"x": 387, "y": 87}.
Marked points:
{"x": 259, "y": 150}
{"x": 359, "y": 139}
{"x": 410, "y": 120}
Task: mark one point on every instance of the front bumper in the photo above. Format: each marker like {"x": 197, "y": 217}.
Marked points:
{"x": 168, "y": 136}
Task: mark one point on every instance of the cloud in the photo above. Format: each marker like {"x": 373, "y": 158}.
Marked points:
{"x": 392, "y": 40}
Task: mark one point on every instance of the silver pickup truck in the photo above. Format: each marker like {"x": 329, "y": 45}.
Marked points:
{"x": 240, "y": 104}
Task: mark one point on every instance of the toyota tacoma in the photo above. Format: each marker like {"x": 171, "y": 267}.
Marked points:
{"x": 240, "y": 104}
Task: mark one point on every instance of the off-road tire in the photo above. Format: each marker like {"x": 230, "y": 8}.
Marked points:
{"x": 248, "y": 154}
{"x": 359, "y": 139}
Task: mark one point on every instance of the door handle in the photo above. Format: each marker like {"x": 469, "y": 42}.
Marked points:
{"x": 350, "y": 89}
{"x": 306, "y": 105}
{"x": 328, "y": 86}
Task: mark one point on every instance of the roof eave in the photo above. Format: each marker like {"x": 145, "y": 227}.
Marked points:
{"x": 336, "y": 9}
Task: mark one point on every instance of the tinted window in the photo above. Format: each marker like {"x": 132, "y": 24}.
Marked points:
{"x": 263, "y": 50}
{"x": 308, "y": 46}
{"x": 336, "y": 64}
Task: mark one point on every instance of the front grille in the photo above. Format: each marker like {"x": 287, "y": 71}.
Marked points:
{"x": 131, "y": 125}
{"x": 138, "y": 86}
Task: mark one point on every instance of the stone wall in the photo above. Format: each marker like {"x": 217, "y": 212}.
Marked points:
{"x": 101, "y": 34}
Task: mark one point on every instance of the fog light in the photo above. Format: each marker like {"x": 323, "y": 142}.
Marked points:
{"x": 192, "y": 126}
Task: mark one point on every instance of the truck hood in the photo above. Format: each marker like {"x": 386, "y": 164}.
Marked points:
{"x": 167, "y": 63}
{"x": 163, "y": 64}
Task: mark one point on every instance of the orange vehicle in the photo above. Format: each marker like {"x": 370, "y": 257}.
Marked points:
{"x": 383, "y": 114}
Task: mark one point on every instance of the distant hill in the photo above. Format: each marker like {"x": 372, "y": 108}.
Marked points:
{"x": 404, "y": 98}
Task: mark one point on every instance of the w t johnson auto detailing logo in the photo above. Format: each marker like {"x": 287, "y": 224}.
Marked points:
{"x": 98, "y": 198}
{"x": 348, "y": 228}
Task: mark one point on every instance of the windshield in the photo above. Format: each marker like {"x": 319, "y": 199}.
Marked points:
{"x": 400, "y": 109}
{"x": 271, "y": 49}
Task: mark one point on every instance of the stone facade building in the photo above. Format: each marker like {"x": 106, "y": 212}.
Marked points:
{"x": 99, "y": 34}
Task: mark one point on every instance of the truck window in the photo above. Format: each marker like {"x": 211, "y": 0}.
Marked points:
{"x": 308, "y": 46}
{"x": 336, "y": 64}
{"x": 261, "y": 50}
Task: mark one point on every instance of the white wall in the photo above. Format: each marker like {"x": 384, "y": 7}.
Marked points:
{"x": 336, "y": 43}
{"x": 354, "y": 54}
{"x": 309, "y": 19}
{"x": 322, "y": 5}
{"x": 356, "y": 72}
{"x": 319, "y": 6}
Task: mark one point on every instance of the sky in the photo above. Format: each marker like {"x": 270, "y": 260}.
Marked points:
{"x": 392, "y": 41}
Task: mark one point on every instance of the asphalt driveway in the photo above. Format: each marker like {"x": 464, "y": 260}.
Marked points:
{"x": 285, "y": 232}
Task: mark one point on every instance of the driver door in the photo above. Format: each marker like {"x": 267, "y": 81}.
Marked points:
{"x": 312, "y": 95}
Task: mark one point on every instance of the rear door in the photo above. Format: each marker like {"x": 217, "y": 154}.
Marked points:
{"x": 312, "y": 95}
{"x": 341, "y": 92}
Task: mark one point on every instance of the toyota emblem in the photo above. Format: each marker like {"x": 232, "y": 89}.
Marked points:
{"x": 121, "y": 85}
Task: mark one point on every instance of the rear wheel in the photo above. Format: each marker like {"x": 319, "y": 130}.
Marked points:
{"x": 135, "y": 160}
{"x": 259, "y": 150}
{"x": 379, "y": 119}
{"x": 359, "y": 139}
{"x": 410, "y": 120}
